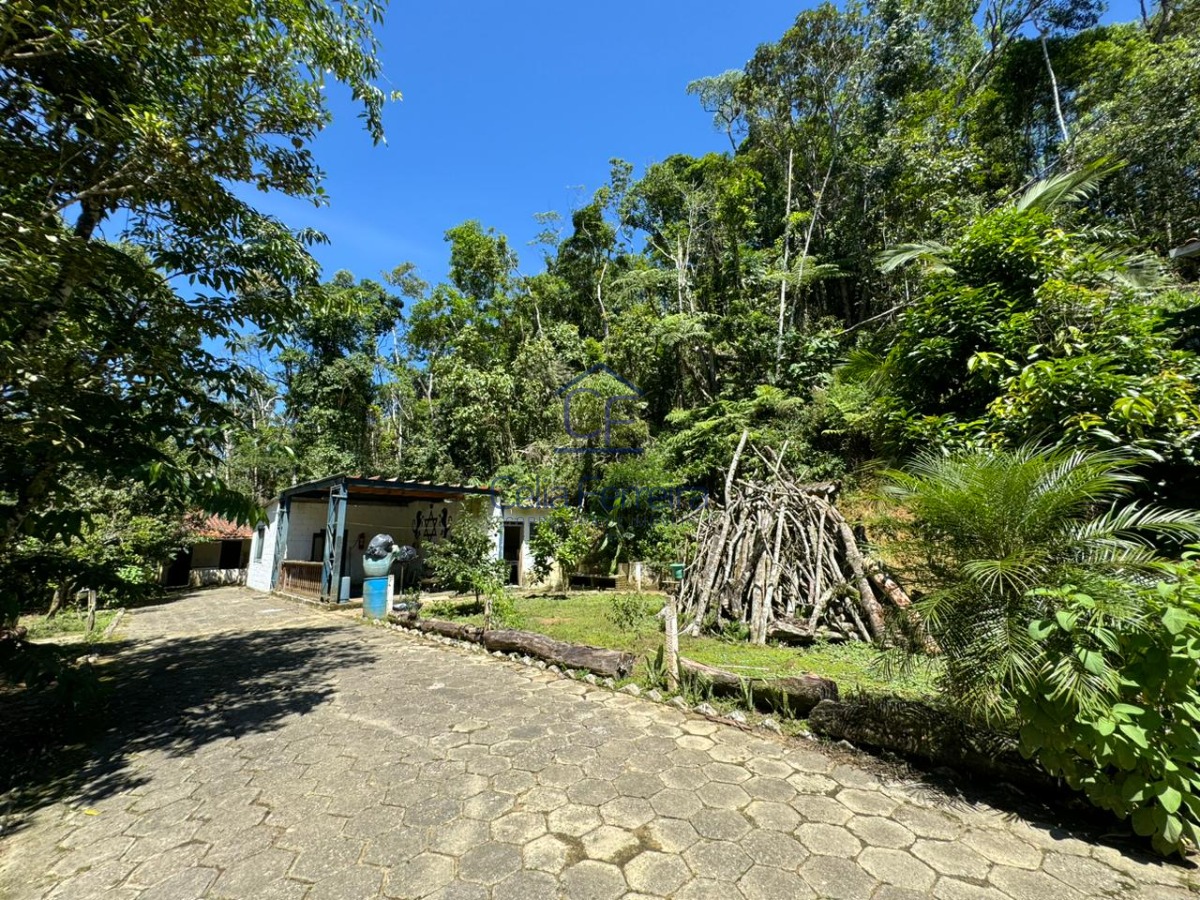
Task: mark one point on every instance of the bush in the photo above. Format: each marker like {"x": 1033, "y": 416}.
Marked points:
{"x": 989, "y": 532}
{"x": 1113, "y": 706}
{"x": 629, "y": 612}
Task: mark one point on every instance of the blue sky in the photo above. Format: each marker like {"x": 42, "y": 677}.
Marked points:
{"x": 515, "y": 108}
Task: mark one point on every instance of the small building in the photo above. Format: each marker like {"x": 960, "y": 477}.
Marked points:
{"x": 219, "y": 554}
{"x": 312, "y": 540}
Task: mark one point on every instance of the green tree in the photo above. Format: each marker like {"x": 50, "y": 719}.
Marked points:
{"x": 561, "y": 539}
{"x": 129, "y": 130}
{"x": 466, "y": 560}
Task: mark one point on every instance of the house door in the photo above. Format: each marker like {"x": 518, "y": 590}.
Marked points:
{"x": 231, "y": 555}
{"x": 180, "y": 569}
{"x": 512, "y": 550}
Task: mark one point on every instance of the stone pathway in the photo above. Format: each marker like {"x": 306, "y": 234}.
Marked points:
{"x": 267, "y": 750}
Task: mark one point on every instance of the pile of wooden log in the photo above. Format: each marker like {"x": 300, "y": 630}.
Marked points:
{"x": 779, "y": 557}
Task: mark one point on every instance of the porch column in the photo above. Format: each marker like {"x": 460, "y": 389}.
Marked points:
{"x": 281, "y": 540}
{"x": 335, "y": 527}
{"x": 497, "y": 527}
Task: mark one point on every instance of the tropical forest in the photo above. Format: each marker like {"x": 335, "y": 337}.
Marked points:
{"x": 898, "y": 390}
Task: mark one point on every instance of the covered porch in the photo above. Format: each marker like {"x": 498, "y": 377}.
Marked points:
{"x": 322, "y": 528}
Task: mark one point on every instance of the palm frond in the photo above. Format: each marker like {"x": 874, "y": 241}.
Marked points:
{"x": 1069, "y": 187}
{"x": 932, "y": 253}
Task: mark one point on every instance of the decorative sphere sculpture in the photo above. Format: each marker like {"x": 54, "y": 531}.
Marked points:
{"x": 382, "y": 552}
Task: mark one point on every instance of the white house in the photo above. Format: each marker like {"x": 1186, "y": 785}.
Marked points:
{"x": 312, "y": 540}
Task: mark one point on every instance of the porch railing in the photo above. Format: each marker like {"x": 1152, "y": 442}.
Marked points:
{"x": 301, "y": 578}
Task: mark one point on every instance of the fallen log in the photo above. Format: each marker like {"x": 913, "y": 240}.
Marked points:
{"x": 454, "y": 630}
{"x": 796, "y": 694}
{"x": 605, "y": 663}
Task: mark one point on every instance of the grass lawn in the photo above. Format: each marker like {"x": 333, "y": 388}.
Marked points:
{"x": 587, "y": 618}
{"x": 69, "y": 624}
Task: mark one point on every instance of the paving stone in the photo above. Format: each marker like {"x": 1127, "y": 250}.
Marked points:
{"x": 1022, "y": 884}
{"x": 837, "y": 879}
{"x": 772, "y": 816}
{"x": 951, "y": 858}
{"x": 593, "y": 880}
{"x": 875, "y": 831}
{"x": 898, "y": 868}
{"x": 527, "y": 885}
{"x": 165, "y": 865}
{"x": 250, "y": 876}
{"x": 420, "y": 876}
{"x": 763, "y": 883}
{"x": 720, "y": 824}
{"x": 548, "y": 853}
{"x": 609, "y": 843}
{"x": 953, "y": 889}
{"x": 574, "y": 820}
{"x": 821, "y": 809}
{"x": 828, "y": 840}
{"x": 519, "y": 827}
{"x": 627, "y": 812}
{"x": 669, "y": 835}
{"x": 721, "y": 860}
{"x": 775, "y": 790}
{"x": 1003, "y": 848}
{"x": 423, "y": 770}
{"x": 722, "y": 795}
{"x": 929, "y": 823}
{"x": 656, "y": 873}
{"x": 190, "y": 884}
{"x": 1088, "y": 875}
{"x": 353, "y": 883}
{"x": 676, "y": 804}
{"x": 457, "y": 836}
{"x": 867, "y": 803}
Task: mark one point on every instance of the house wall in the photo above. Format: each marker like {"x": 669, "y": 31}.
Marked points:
{"x": 206, "y": 555}
{"x": 262, "y": 551}
{"x": 528, "y": 517}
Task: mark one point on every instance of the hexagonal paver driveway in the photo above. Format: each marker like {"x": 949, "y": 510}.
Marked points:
{"x": 269, "y": 750}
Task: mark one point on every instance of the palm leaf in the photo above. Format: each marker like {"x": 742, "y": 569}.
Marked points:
{"x": 1069, "y": 187}
{"x": 932, "y": 253}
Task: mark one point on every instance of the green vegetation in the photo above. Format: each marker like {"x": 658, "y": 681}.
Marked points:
{"x": 1112, "y": 704}
{"x": 938, "y": 239}
{"x": 991, "y": 531}
{"x": 466, "y": 561}
{"x": 68, "y": 624}
{"x": 587, "y": 618}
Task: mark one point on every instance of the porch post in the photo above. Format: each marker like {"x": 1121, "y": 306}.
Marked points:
{"x": 281, "y": 539}
{"x": 335, "y": 526}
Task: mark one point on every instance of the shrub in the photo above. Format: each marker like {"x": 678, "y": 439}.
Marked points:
{"x": 990, "y": 529}
{"x": 629, "y": 612}
{"x": 1112, "y": 706}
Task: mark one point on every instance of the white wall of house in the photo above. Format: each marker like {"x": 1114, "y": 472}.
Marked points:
{"x": 262, "y": 551}
{"x": 527, "y": 517}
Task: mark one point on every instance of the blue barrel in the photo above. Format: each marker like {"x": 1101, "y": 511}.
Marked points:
{"x": 377, "y": 597}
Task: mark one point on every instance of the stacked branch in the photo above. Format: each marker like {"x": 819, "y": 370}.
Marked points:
{"x": 780, "y": 558}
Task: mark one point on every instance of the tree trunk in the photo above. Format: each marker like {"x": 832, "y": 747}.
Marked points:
{"x": 606, "y": 663}
{"x": 798, "y": 694}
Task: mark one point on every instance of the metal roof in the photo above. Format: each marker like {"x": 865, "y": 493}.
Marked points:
{"x": 1190, "y": 248}
{"x": 378, "y": 485}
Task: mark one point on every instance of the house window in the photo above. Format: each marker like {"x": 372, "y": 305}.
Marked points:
{"x": 260, "y": 538}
